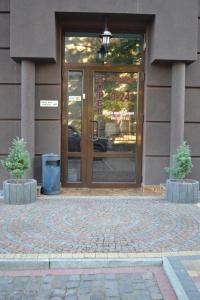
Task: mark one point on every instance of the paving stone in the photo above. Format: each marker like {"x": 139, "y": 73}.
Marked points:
{"x": 111, "y": 284}
{"x": 147, "y": 275}
{"x": 112, "y": 293}
{"x": 139, "y": 286}
{"x": 125, "y": 288}
{"x": 74, "y": 277}
{"x": 87, "y": 277}
{"x": 110, "y": 276}
{"x": 85, "y": 284}
{"x": 98, "y": 284}
{"x": 71, "y": 297}
{"x": 156, "y": 296}
{"x": 98, "y": 295}
{"x": 84, "y": 297}
{"x": 58, "y": 293}
{"x": 84, "y": 291}
{"x": 47, "y": 279}
{"x": 99, "y": 276}
{"x": 72, "y": 284}
{"x": 129, "y": 297}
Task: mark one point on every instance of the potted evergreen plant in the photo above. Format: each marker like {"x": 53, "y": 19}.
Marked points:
{"x": 179, "y": 189}
{"x": 17, "y": 190}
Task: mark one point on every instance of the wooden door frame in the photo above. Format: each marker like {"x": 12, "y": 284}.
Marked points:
{"x": 86, "y": 170}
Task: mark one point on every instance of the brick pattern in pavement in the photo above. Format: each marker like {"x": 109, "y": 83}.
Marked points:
{"x": 99, "y": 225}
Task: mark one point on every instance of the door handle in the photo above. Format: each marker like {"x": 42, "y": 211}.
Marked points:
{"x": 93, "y": 137}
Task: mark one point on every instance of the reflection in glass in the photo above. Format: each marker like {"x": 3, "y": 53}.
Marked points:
{"x": 123, "y": 49}
{"x": 74, "y": 170}
{"x": 113, "y": 170}
{"x": 75, "y": 92}
{"x": 115, "y": 109}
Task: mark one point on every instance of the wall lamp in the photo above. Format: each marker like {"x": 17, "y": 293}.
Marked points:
{"x": 106, "y": 35}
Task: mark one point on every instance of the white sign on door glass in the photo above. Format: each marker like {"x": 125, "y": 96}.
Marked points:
{"x": 74, "y": 98}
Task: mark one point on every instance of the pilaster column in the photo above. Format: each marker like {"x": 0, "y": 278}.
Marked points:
{"x": 177, "y": 108}
{"x": 28, "y": 110}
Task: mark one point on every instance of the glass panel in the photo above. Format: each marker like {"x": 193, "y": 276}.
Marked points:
{"x": 113, "y": 170}
{"x": 75, "y": 92}
{"x": 74, "y": 170}
{"x": 123, "y": 49}
{"x": 115, "y": 110}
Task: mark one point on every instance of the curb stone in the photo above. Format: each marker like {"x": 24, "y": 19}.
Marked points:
{"x": 54, "y": 263}
{"x": 22, "y": 264}
{"x": 175, "y": 282}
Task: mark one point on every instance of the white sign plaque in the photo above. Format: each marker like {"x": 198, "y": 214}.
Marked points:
{"x": 48, "y": 103}
{"x": 74, "y": 98}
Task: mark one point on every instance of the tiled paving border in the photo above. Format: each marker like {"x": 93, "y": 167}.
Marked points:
{"x": 56, "y": 264}
{"x": 177, "y": 263}
{"x": 146, "y": 273}
{"x": 60, "y": 264}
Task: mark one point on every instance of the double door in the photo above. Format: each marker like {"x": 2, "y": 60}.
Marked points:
{"x": 102, "y": 120}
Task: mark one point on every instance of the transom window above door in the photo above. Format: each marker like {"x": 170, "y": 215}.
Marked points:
{"x": 86, "y": 48}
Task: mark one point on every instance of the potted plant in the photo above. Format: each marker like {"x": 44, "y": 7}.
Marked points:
{"x": 179, "y": 189}
{"x": 17, "y": 190}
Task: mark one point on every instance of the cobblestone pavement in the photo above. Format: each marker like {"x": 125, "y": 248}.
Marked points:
{"x": 131, "y": 284}
{"x": 99, "y": 225}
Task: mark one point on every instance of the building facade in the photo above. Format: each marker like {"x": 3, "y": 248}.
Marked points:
{"x": 116, "y": 115}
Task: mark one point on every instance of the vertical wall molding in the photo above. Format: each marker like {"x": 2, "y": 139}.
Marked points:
{"x": 177, "y": 108}
{"x": 28, "y": 109}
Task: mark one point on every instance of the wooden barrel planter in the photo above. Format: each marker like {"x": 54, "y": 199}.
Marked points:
{"x": 21, "y": 191}
{"x": 182, "y": 190}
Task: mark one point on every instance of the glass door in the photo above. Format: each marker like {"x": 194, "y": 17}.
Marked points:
{"x": 102, "y": 126}
{"x": 115, "y": 127}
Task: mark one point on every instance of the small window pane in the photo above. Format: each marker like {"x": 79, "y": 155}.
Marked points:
{"x": 74, "y": 170}
{"x": 124, "y": 49}
{"x": 75, "y": 92}
{"x": 113, "y": 169}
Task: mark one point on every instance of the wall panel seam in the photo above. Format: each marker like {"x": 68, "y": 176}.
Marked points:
{"x": 43, "y": 120}
{"x": 10, "y": 83}
{"x": 47, "y": 84}
{"x": 158, "y": 86}
{"x": 157, "y": 156}
{"x": 192, "y": 87}
{"x": 9, "y": 119}
{"x": 192, "y": 122}
{"x": 162, "y": 122}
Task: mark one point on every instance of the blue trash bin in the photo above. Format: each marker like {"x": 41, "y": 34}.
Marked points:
{"x": 50, "y": 174}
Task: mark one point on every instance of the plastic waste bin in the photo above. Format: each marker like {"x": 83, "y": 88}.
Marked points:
{"x": 50, "y": 174}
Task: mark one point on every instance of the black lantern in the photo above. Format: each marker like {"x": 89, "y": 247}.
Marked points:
{"x": 106, "y": 36}
{"x": 101, "y": 52}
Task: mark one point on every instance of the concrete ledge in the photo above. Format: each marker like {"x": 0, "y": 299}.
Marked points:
{"x": 23, "y": 264}
{"x": 59, "y": 263}
{"x": 175, "y": 282}
{"x": 77, "y": 197}
{"x": 103, "y": 263}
